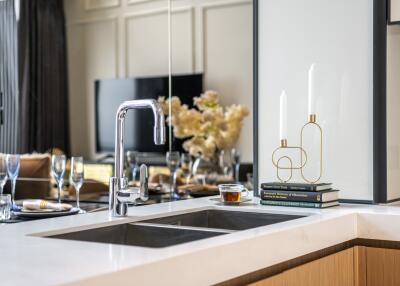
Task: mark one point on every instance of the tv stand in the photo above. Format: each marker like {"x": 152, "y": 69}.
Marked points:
{"x": 148, "y": 158}
{"x": 106, "y": 158}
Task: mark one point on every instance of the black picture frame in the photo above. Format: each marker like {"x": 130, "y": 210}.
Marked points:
{"x": 389, "y": 12}
{"x": 379, "y": 102}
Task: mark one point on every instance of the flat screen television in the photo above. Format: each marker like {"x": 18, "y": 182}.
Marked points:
{"x": 110, "y": 93}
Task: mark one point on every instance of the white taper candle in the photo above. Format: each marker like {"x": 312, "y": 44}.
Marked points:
{"x": 283, "y": 116}
{"x": 311, "y": 90}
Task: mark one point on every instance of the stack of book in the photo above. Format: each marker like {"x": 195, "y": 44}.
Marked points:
{"x": 299, "y": 195}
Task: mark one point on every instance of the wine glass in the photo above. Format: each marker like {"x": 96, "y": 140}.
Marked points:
{"x": 58, "y": 169}
{"x": 186, "y": 166}
{"x": 132, "y": 157}
{"x": 235, "y": 154}
{"x": 3, "y": 172}
{"x": 225, "y": 163}
{"x": 76, "y": 177}
{"x": 13, "y": 164}
{"x": 173, "y": 159}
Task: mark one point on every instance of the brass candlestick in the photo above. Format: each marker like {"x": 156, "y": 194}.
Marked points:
{"x": 303, "y": 155}
{"x": 312, "y": 121}
{"x": 284, "y": 145}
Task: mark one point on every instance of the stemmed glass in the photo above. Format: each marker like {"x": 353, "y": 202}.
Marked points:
{"x": 132, "y": 157}
{"x": 76, "y": 177}
{"x": 58, "y": 169}
{"x": 173, "y": 159}
{"x": 186, "y": 166}
{"x": 235, "y": 154}
{"x": 225, "y": 163}
{"x": 3, "y": 172}
{"x": 13, "y": 164}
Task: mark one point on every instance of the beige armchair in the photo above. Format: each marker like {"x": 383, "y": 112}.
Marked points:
{"x": 34, "y": 177}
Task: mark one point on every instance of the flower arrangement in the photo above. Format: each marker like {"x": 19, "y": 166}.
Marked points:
{"x": 208, "y": 127}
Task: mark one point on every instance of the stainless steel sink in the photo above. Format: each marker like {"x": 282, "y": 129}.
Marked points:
{"x": 177, "y": 229}
{"x": 222, "y": 219}
{"x": 139, "y": 235}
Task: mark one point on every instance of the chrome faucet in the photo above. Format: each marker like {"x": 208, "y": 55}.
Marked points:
{"x": 120, "y": 194}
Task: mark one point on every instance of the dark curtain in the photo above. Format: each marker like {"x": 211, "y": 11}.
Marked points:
{"x": 8, "y": 78}
{"x": 43, "y": 76}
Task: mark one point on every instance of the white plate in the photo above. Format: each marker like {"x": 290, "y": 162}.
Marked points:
{"x": 38, "y": 211}
{"x": 44, "y": 214}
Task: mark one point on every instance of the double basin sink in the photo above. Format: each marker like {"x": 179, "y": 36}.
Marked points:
{"x": 177, "y": 229}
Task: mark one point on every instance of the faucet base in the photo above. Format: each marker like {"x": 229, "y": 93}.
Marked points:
{"x": 121, "y": 195}
{"x": 116, "y": 184}
{"x": 122, "y": 209}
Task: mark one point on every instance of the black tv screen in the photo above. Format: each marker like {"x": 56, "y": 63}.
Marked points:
{"x": 110, "y": 93}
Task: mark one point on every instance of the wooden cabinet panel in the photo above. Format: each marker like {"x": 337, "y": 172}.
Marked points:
{"x": 360, "y": 275}
{"x": 333, "y": 270}
{"x": 382, "y": 266}
{"x": 277, "y": 280}
{"x": 336, "y": 269}
{"x": 358, "y": 266}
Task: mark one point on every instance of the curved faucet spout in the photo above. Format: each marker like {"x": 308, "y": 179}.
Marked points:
{"x": 159, "y": 128}
{"x": 159, "y": 138}
{"x": 159, "y": 124}
{"x": 159, "y": 120}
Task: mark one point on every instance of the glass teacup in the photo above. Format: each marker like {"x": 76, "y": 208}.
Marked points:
{"x": 232, "y": 193}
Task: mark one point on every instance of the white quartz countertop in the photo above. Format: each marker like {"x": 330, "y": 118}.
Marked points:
{"x": 27, "y": 258}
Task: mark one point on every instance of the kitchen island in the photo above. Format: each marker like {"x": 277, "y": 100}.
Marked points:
{"x": 29, "y": 258}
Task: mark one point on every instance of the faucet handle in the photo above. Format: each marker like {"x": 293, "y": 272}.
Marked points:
{"x": 144, "y": 183}
{"x": 129, "y": 195}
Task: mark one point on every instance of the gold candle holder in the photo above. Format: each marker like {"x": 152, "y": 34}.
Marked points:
{"x": 276, "y": 163}
{"x": 312, "y": 120}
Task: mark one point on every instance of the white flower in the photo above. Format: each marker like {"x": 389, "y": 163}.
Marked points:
{"x": 209, "y": 127}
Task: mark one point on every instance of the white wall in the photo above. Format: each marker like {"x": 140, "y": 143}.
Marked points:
{"x": 394, "y": 10}
{"x": 393, "y": 114}
{"x": 127, "y": 38}
{"x": 338, "y": 36}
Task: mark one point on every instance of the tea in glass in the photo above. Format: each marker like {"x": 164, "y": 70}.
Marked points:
{"x": 232, "y": 193}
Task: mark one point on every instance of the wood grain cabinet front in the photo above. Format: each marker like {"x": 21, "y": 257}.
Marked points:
{"x": 333, "y": 270}
{"x": 358, "y": 266}
{"x": 382, "y": 267}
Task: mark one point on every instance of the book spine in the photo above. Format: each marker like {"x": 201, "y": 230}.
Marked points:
{"x": 291, "y": 204}
{"x": 291, "y": 196}
{"x": 288, "y": 188}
